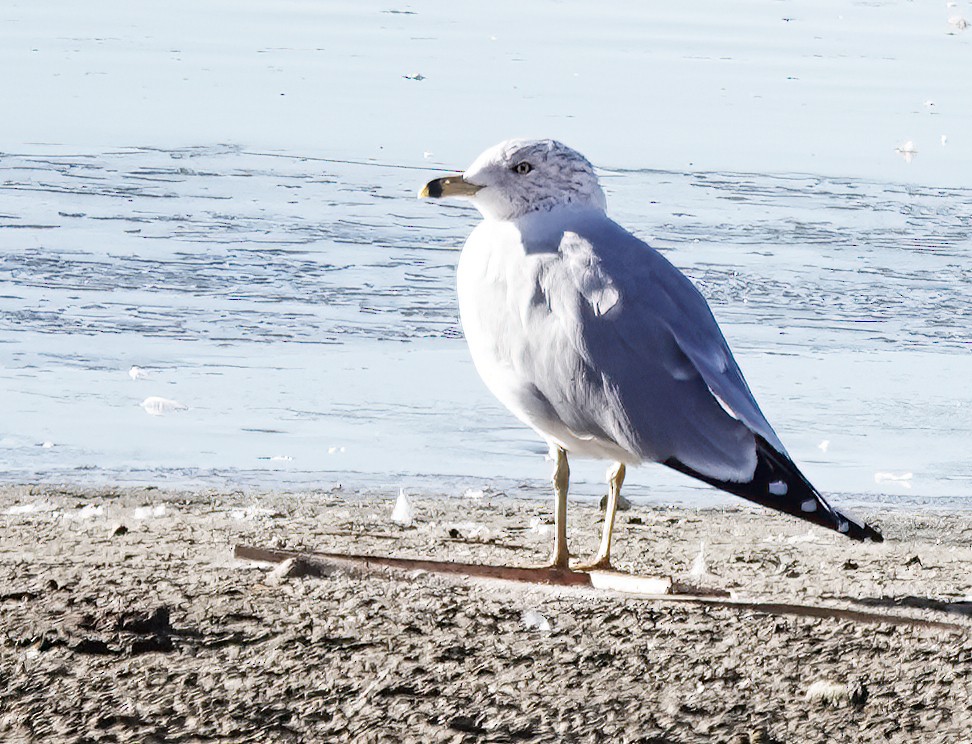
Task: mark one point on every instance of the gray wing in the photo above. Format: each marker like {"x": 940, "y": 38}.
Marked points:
{"x": 661, "y": 352}
{"x": 683, "y": 399}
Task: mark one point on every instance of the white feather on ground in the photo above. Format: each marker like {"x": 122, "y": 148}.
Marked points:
{"x": 403, "y": 513}
{"x": 698, "y": 569}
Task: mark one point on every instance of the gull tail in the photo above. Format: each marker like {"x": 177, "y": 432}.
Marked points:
{"x": 779, "y": 484}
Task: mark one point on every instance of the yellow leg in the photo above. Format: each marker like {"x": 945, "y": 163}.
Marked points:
{"x": 561, "y": 480}
{"x": 615, "y": 480}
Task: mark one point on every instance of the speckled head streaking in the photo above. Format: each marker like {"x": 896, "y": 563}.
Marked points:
{"x": 517, "y": 177}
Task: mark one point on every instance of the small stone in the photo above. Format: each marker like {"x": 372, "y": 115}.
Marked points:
{"x": 292, "y": 568}
{"x": 533, "y": 620}
{"x": 828, "y": 693}
{"x": 623, "y": 503}
{"x": 120, "y": 530}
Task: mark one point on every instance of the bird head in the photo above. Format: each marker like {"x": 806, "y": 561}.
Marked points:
{"x": 517, "y": 177}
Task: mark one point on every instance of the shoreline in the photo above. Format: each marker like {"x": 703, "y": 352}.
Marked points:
{"x": 155, "y": 631}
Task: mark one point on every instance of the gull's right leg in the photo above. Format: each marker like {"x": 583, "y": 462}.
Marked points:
{"x": 603, "y": 558}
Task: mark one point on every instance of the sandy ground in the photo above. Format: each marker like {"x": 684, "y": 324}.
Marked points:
{"x": 125, "y": 617}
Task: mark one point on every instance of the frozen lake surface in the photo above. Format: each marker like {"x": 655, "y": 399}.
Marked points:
{"x": 290, "y": 290}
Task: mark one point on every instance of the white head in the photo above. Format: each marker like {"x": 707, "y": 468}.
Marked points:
{"x": 517, "y": 177}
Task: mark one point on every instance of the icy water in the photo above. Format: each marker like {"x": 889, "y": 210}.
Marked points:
{"x": 293, "y": 294}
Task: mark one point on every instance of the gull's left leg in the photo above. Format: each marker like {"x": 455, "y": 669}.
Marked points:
{"x": 561, "y": 480}
{"x": 603, "y": 557}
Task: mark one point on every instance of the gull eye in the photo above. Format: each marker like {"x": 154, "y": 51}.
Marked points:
{"x": 522, "y": 168}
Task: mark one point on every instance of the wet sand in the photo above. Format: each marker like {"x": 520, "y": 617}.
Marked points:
{"x": 126, "y": 618}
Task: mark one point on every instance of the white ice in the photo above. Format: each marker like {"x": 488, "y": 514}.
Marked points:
{"x": 907, "y": 150}
{"x": 88, "y": 511}
{"x": 250, "y": 512}
{"x": 147, "y": 512}
{"x": 899, "y": 479}
{"x": 32, "y": 508}
{"x": 157, "y": 406}
{"x": 131, "y": 205}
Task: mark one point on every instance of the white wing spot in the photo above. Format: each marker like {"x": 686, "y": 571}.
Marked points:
{"x": 843, "y": 526}
{"x": 778, "y": 488}
{"x": 810, "y": 505}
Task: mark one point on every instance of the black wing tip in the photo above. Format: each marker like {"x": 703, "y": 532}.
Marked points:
{"x": 773, "y": 466}
{"x": 865, "y": 532}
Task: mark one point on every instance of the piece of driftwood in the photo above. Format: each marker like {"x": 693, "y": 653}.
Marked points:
{"x": 313, "y": 563}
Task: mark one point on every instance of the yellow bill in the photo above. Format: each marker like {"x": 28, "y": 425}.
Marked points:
{"x": 454, "y": 185}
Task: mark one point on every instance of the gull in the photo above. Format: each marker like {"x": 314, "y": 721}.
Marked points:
{"x": 592, "y": 338}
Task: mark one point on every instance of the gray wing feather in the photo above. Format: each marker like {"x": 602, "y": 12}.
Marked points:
{"x": 662, "y": 352}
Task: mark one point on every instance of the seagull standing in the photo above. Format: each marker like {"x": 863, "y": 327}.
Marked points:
{"x": 603, "y": 347}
